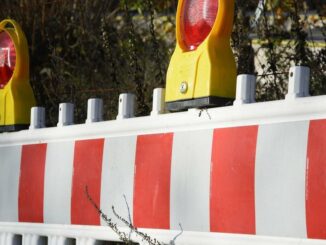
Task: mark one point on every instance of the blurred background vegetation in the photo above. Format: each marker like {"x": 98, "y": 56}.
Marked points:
{"x": 81, "y": 49}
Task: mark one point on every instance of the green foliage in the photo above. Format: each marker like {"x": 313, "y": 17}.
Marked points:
{"x": 280, "y": 39}
{"x": 97, "y": 48}
{"x": 82, "y": 49}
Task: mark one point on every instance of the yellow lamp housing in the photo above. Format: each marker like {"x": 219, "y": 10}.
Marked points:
{"x": 16, "y": 95}
{"x": 202, "y": 71}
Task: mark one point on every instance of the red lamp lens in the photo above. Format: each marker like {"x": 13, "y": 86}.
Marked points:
{"x": 7, "y": 58}
{"x": 198, "y": 17}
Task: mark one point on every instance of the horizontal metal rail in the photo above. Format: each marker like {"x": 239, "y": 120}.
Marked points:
{"x": 39, "y": 234}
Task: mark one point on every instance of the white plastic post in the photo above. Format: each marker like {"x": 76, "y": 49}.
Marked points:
{"x": 126, "y": 106}
{"x": 86, "y": 241}
{"x": 94, "y": 110}
{"x": 37, "y": 118}
{"x": 158, "y": 102}
{"x": 60, "y": 240}
{"x": 299, "y": 79}
{"x": 246, "y": 89}
{"x": 10, "y": 239}
{"x": 29, "y": 239}
{"x": 66, "y": 114}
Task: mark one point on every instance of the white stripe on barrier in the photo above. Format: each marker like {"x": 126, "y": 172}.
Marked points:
{"x": 57, "y": 182}
{"x": 190, "y": 181}
{"x": 9, "y": 182}
{"x": 280, "y": 179}
{"x": 118, "y": 177}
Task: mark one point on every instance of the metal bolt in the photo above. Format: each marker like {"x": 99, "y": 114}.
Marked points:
{"x": 184, "y": 87}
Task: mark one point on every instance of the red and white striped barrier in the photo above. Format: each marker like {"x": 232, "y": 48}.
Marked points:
{"x": 256, "y": 170}
{"x": 267, "y": 179}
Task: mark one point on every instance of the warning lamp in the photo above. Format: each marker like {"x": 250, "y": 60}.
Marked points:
{"x": 202, "y": 70}
{"x": 16, "y": 95}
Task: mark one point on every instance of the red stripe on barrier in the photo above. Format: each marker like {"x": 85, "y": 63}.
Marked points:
{"x": 152, "y": 181}
{"x": 31, "y": 183}
{"x": 87, "y": 172}
{"x": 232, "y": 201}
{"x": 316, "y": 180}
